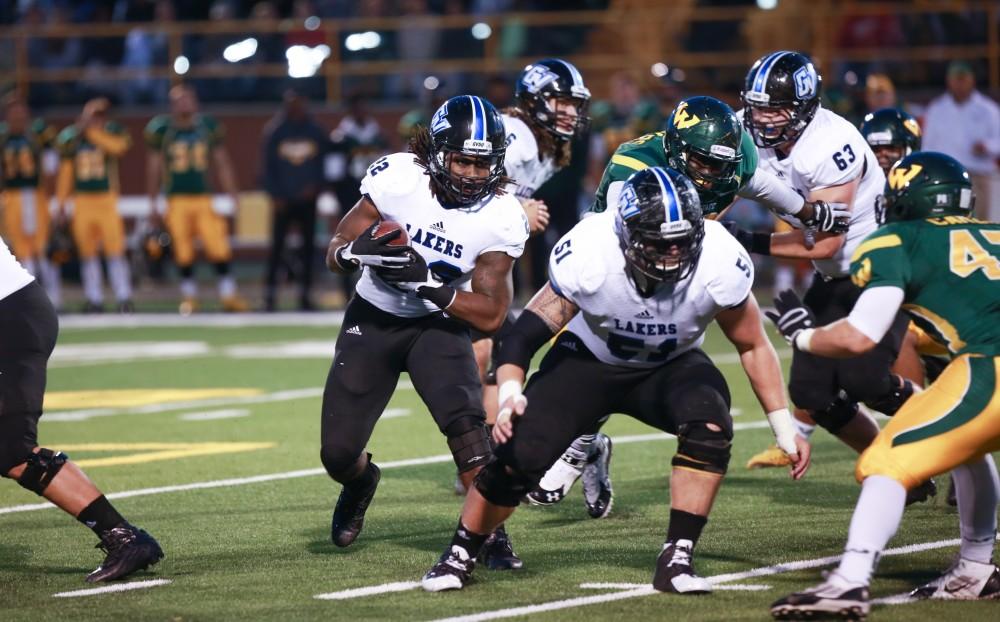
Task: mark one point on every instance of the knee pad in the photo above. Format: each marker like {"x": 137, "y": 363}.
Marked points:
{"x": 41, "y": 469}
{"x": 837, "y": 414}
{"x": 702, "y": 449}
{"x": 469, "y": 442}
{"x": 500, "y": 486}
{"x": 340, "y": 462}
{"x": 891, "y": 402}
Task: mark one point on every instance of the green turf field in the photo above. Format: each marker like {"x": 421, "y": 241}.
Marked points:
{"x": 260, "y": 549}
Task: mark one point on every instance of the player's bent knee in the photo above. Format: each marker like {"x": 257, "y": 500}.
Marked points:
{"x": 340, "y": 461}
{"x": 501, "y": 486}
{"x": 889, "y": 403}
{"x": 469, "y": 442}
{"x": 835, "y": 416}
{"x": 41, "y": 468}
{"x": 703, "y": 446}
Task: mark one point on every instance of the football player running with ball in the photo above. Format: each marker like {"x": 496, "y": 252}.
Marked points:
{"x": 704, "y": 140}
{"x": 941, "y": 265}
{"x": 414, "y": 303}
{"x": 635, "y": 300}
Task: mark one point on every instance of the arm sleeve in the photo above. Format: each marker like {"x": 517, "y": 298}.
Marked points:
{"x": 875, "y": 311}
{"x": 768, "y": 189}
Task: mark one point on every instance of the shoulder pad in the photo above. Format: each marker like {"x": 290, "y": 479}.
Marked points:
{"x": 730, "y": 271}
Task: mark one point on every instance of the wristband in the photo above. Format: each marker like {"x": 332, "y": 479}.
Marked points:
{"x": 803, "y": 340}
{"x": 442, "y": 296}
{"x": 784, "y": 429}
{"x": 347, "y": 265}
{"x": 507, "y": 390}
{"x": 760, "y": 243}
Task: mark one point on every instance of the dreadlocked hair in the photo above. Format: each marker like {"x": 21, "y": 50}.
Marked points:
{"x": 422, "y": 147}
{"x": 548, "y": 145}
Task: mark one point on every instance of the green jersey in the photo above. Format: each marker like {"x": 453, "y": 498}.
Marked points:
{"x": 648, "y": 150}
{"x": 94, "y": 169}
{"x": 21, "y": 154}
{"x": 185, "y": 150}
{"x": 949, "y": 270}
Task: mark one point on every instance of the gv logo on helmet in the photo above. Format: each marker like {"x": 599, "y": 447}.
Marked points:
{"x": 537, "y": 77}
{"x": 899, "y": 177}
{"x": 805, "y": 81}
{"x": 440, "y": 121}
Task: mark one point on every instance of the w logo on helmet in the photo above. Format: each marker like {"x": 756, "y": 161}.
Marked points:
{"x": 899, "y": 177}
{"x": 683, "y": 119}
{"x": 537, "y": 77}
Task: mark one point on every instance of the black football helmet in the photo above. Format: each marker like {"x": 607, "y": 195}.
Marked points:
{"x": 553, "y": 78}
{"x": 784, "y": 82}
{"x": 468, "y": 126}
{"x": 926, "y": 184}
{"x": 660, "y": 227}
{"x": 892, "y": 134}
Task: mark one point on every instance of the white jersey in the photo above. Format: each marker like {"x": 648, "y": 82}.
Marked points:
{"x": 830, "y": 152}
{"x": 12, "y": 275}
{"x": 449, "y": 240}
{"x": 521, "y": 161}
{"x": 621, "y": 327}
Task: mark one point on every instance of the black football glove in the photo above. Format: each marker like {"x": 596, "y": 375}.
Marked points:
{"x": 754, "y": 242}
{"x": 828, "y": 217}
{"x": 415, "y": 277}
{"x": 376, "y": 252}
{"x": 413, "y": 270}
{"x": 791, "y": 316}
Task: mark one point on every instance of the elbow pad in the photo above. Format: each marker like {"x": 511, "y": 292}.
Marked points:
{"x": 528, "y": 334}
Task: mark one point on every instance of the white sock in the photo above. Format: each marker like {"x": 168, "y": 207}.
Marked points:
{"x": 189, "y": 289}
{"x": 90, "y": 274}
{"x": 31, "y": 266}
{"x": 50, "y": 279}
{"x": 803, "y": 428}
{"x": 977, "y": 489}
{"x": 227, "y": 287}
{"x": 120, "y": 277}
{"x": 876, "y": 519}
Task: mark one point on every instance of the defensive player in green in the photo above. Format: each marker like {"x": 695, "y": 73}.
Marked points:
{"x": 88, "y": 172}
{"x": 706, "y": 141}
{"x": 942, "y": 266}
{"x": 181, "y": 145}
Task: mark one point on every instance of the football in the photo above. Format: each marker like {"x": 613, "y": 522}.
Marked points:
{"x": 388, "y": 226}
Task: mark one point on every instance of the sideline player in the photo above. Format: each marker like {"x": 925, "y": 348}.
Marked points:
{"x": 28, "y": 330}
{"x": 413, "y": 304}
{"x": 181, "y": 145}
{"x": 635, "y": 287}
{"x": 823, "y": 157}
{"x": 88, "y": 172}
{"x": 942, "y": 266}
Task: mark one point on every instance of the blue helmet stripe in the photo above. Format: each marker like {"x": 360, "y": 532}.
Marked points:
{"x": 760, "y": 81}
{"x": 574, "y": 73}
{"x": 669, "y": 193}
{"x": 478, "y": 118}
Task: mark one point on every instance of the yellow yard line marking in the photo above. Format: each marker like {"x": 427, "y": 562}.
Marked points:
{"x": 131, "y": 398}
{"x": 155, "y": 452}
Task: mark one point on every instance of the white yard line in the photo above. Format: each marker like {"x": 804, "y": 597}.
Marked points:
{"x": 118, "y": 587}
{"x": 256, "y": 479}
{"x": 211, "y": 415}
{"x": 647, "y": 590}
{"x": 332, "y": 319}
{"x": 359, "y": 592}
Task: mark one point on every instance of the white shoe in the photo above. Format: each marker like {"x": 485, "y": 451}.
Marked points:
{"x": 834, "y": 598}
{"x": 675, "y": 572}
{"x": 965, "y": 580}
{"x": 558, "y": 480}
{"x": 452, "y": 571}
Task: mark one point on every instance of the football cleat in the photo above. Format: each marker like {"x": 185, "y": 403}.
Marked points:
{"x": 557, "y": 481}
{"x": 126, "y": 307}
{"x": 452, "y": 572}
{"x": 188, "y": 306}
{"x": 128, "y": 549}
{"x": 597, "y": 493}
{"x": 349, "y": 514}
{"x": 773, "y": 456}
{"x": 675, "y": 572}
{"x": 965, "y": 580}
{"x": 235, "y": 304}
{"x": 832, "y": 599}
{"x": 498, "y": 553}
{"x": 921, "y": 493}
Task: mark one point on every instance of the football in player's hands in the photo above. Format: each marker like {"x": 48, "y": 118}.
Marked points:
{"x": 385, "y": 229}
{"x": 382, "y": 244}
{"x": 791, "y": 316}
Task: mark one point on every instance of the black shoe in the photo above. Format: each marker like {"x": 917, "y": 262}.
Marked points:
{"x": 349, "y": 515}
{"x": 126, "y": 307}
{"x": 452, "y": 572}
{"x": 498, "y": 554}
{"x": 597, "y": 493}
{"x": 675, "y": 572}
{"x": 827, "y": 600}
{"x": 92, "y": 307}
{"x": 952, "y": 495}
{"x": 128, "y": 549}
{"x": 921, "y": 493}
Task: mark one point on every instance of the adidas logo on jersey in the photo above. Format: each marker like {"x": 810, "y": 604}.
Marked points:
{"x": 644, "y": 315}
{"x": 438, "y": 226}
{"x": 354, "y": 330}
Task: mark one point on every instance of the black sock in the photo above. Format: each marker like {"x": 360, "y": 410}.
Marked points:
{"x": 100, "y": 515}
{"x": 685, "y": 526}
{"x": 364, "y": 481}
{"x": 471, "y": 542}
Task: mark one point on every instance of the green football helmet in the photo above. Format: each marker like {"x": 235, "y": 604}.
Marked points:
{"x": 892, "y": 134}
{"x": 926, "y": 184}
{"x": 702, "y": 140}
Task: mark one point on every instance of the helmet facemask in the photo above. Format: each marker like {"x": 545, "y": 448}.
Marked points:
{"x": 465, "y": 189}
{"x": 772, "y": 125}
